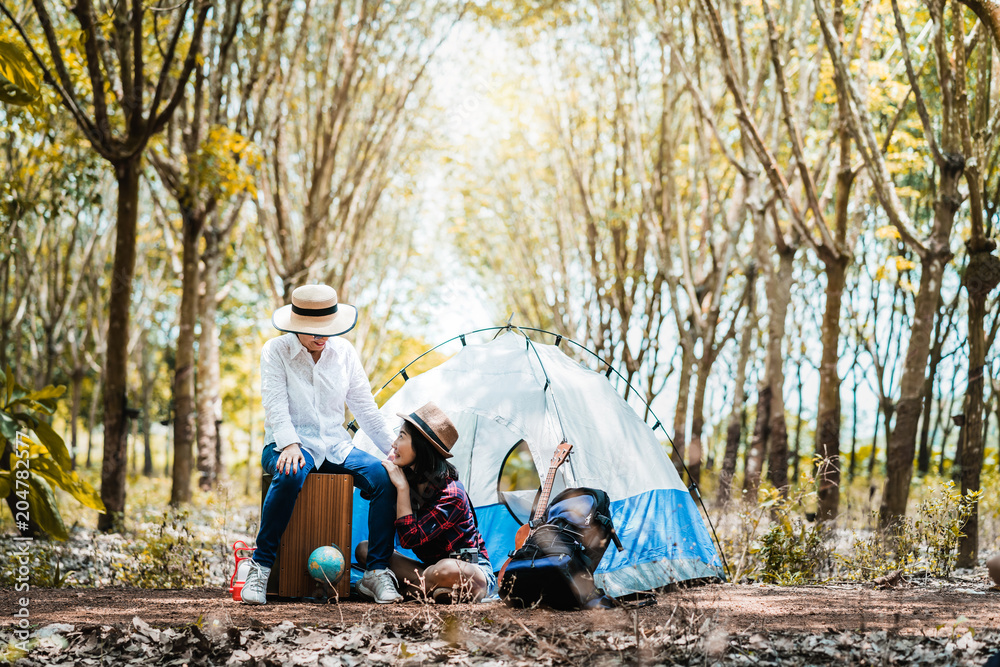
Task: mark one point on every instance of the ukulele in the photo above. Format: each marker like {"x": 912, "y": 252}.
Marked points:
{"x": 558, "y": 458}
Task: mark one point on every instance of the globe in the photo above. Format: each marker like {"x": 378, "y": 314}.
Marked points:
{"x": 326, "y": 564}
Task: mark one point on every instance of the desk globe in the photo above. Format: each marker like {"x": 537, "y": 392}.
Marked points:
{"x": 326, "y": 564}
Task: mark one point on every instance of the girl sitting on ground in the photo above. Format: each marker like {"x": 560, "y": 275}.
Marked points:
{"x": 434, "y": 517}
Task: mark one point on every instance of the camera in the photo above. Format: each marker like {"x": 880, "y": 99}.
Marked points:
{"x": 469, "y": 555}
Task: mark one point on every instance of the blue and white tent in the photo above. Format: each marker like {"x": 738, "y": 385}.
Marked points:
{"x": 510, "y": 390}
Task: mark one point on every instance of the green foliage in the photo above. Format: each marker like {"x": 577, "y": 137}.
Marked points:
{"x": 791, "y": 550}
{"x": 927, "y": 543}
{"x": 167, "y": 555}
{"x": 226, "y": 163}
{"x": 44, "y": 564}
{"x": 37, "y": 460}
{"x": 18, "y": 81}
{"x": 520, "y": 472}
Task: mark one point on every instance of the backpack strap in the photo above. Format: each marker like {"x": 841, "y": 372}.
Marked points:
{"x": 610, "y": 525}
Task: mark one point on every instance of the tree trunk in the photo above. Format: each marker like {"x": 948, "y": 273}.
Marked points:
{"x": 828, "y": 409}
{"x": 971, "y": 433}
{"x": 924, "y": 451}
{"x": 996, "y": 409}
{"x": 92, "y": 418}
{"x": 184, "y": 412}
{"x": 695, "y": 452}
{"x": 209, "y": 399}
{"x": 735, "y": 427}
{"x": 943, "y": 424}
{"x": 835, "y": 267}
{"x": 758, "y": 443}
{"x": 168, "y": 450}
{"x": 4, "y": 323}
{"x": 680, "y": 412}
{"x": 779, "y": 296}
{"x": 887, "y": 409}
{"x": 854, "y": 431}
{"x": 134, "y": 436}
{"x": 901, "y": 448}
{"x": 51, "y": 354}
{"x": 250, "y": 435}
{"x": 980, "y": 278}
{"x": 797, "y": 448}
{"x": 147, "y": 390}
{"x": 956, "y": 463}
{"x": 219, "y": 460}
{"x": 76, "y": 377}
{"x": 777, "y": 451}
{"x": 113, "y": 471}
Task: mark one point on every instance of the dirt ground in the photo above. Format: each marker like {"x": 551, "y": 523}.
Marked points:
{"x": 910, "y": 609}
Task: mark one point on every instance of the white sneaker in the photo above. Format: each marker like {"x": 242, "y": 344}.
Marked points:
{"x": 255, "y": 587}
{"x": 380, "y": 585}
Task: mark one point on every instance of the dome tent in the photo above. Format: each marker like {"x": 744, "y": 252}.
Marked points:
{"x": 512, "y": 389}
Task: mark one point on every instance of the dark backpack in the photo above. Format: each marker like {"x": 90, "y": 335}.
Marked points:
{"x": 557, "y": 562}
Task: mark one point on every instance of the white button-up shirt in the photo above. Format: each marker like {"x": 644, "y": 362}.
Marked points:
{"x": 304, "y": 401}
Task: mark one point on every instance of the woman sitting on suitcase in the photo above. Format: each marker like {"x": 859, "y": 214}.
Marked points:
{"x": 434, "y": 516}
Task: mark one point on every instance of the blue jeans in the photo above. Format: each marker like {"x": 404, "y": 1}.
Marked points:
{"x": 369, "y": 476}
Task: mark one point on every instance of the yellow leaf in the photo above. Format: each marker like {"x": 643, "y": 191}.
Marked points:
{"x": 18, "y": 81}
{"x": 887, "y": 232}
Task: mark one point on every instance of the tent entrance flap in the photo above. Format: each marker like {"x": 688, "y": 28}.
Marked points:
{"x": 518, "y": 482}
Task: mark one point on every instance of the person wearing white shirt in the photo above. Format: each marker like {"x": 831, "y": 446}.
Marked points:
{"x": 308, "y": 376}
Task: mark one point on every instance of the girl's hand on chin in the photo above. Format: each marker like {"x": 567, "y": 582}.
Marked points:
{"x": 396, "y": 475}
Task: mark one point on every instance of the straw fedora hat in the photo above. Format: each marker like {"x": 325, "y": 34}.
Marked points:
{"x": 314, "y": 311}
{"x": 431, "y": 420}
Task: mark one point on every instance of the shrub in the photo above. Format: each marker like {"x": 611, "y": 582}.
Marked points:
{"x": 165, "y": 555}
{"x": 774, "y": 541}
{"x": 44, "y": 564}
{"x": 34, "y": 459}
{"x": 927, "y": 543}
{"x": 791, "y": 551}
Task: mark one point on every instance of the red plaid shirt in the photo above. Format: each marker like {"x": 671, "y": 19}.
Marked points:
{"x": 441, "y": 526}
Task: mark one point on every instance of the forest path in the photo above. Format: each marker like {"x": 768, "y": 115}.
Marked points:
{"x": 925, "y": 608}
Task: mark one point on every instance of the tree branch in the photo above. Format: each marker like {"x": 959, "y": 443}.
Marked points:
{"x": 988, "y": 12}
{"x": 64, "y": 86}
{"x": 793, "y": 132}
{"x": 761, "y": 150}
{"x": 706, "y": 111}
{"x": 84, "y": 12}
{"x": 861, "y": 128}
{"x": 159, "y": 121}
{"x": 134, "y": 115}
{"x": 925, "y": 119}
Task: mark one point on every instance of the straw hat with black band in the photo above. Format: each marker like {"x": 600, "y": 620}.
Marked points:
{"x": 314, "y": 311}
{"x": 431, "y": 420}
